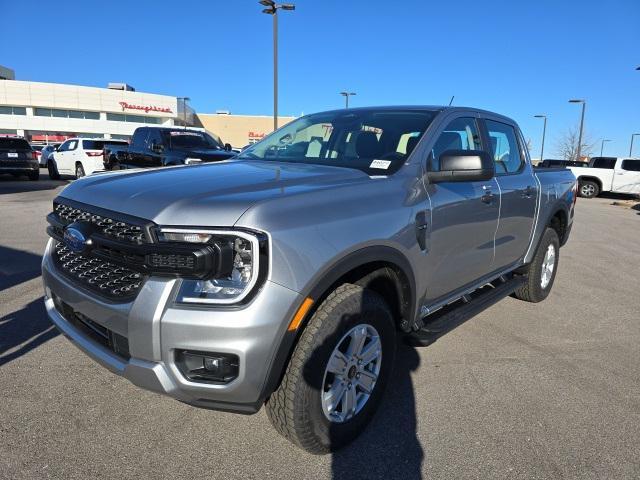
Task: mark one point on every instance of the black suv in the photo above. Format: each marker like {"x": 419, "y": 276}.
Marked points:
{"x": 159, "y": 147}
{"x": 18, "y": 158}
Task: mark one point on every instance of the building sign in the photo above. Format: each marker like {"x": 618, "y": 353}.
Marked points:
{"x": 256, "y": 136}
{"x": 145, "y": 108}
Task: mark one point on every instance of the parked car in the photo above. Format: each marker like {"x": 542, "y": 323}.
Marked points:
{"x": 37, "y": 149}
{"x": 163, "y": 146}
{"x": 551, "y": 163}
{"x": 608, "y": 174}
{"x": 286, "y": 275}
{"x": 46, "y": 152}
{"x": 80, "y": 156}
{"x": 18, "y": 158}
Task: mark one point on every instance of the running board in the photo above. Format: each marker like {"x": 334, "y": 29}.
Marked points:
{"x": 448, "y": 318}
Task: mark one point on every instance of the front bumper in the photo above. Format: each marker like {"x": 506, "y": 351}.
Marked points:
{"x": 156, "y": 329}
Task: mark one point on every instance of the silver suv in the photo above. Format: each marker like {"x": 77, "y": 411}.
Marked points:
{"x": 286, "y": 275}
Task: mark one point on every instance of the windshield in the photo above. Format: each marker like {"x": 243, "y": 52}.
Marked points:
{"x": 186, "y": 139}
{"x": 377, "y": 142}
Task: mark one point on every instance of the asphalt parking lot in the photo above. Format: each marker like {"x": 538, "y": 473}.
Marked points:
{"x": 521, "y": 391}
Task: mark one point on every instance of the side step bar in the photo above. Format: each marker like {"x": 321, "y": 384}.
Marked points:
{"x": 448, "y": 318}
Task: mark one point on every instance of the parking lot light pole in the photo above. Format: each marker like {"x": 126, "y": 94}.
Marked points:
{"x": 346, "y": 96}
{"x": 272, "y": 9}
{"x": 584, "y": 104}
{"x": 602, "y": 144}
{"x": 633, "y": 135}
{"x": 544, "y": 131}
{"x": 184, "y": 109}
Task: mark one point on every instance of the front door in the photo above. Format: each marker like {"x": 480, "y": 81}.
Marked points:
{"x": 518, "y": 194}
{"x": 626, "y": 179}
{"x": 464, "y": 218}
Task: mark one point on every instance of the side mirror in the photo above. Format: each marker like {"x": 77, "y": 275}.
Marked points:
{"x": 157, "y": 148}
{"x": 463, "y": 166}
{"x": 228, "y": 147}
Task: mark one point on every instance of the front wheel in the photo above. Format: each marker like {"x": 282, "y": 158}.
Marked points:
{"x": 541, "y": 272}
{"x": 338, "y": 371}
{"x": 79, "y": 170}
{"x": 53, "y": 170}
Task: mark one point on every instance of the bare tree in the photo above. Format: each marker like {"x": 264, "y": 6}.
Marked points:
{"x": 567, "y": 145}
{"x": 529, "y": 144}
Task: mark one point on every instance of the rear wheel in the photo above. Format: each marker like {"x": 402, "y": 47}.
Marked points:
{"x": 541, "y": 272}
{"x": 53, "y": 170}
{"x": 588, "y": 189}
{"x": 338, "y": 371}
{"x": 79, "y": 170}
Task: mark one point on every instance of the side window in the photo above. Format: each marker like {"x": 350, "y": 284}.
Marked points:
{"x": 139, "y": 139}
{"x": 631, "y": 165}
{"x": 604, "y": 162}
{"x": 64, "y": 147}
{"x": 72, "y": 145}
{"x": 154, "y": 138}
{"x": 460, "y": 134}
{"x": 504, "y": 146}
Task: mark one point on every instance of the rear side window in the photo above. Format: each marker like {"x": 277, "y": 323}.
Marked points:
{"x": 604, "y": 162}
{"x": 100, "y": 144}
{"x": 504, "y": 147}
{"x": 631, "y": 165}
{"x": 14, "y": 144}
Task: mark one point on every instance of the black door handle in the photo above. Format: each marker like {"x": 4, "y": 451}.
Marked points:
{"x": 421, "y": 229}
{"x": 487, "y": 197}
{"x": 527, "y": 192}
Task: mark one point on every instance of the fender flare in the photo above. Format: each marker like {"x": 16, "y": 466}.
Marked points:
{"x": 318, "y": 288}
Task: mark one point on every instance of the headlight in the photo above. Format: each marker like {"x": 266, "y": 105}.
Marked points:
{"x": 240, "y": 277}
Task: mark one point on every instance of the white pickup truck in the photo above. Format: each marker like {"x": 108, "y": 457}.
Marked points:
{"x": 608, "y": 174}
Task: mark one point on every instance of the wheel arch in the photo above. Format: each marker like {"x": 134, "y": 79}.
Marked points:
{"x": 383, "y": 269}
{"x": 589, "y": 178}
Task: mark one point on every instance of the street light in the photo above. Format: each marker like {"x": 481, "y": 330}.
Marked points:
{"x": 633, "y": 135}
{"x": 602, "y": 145}
{"x": 272, "y": 9}
{"x": 184, "y": 109}
{"x": 346, "y": 96}
{"x": 544, "y": 131}
{"x": 584, "y": 104}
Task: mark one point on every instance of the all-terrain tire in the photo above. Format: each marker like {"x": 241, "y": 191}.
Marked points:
{"x": 295, "y": 408}
{"x": 79, "y": 170}
{"x": 535, "y": 288}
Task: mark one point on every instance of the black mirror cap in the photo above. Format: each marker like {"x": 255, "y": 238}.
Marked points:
{"x": 464, "y": 166}
{"x": 228, "y": 147}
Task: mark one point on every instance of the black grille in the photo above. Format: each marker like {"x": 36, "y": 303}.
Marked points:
{"x": 97, "y": 275}
{"x": 110, "y": 227}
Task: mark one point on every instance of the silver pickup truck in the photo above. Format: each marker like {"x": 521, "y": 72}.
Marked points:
{"x": 286, "y": 276}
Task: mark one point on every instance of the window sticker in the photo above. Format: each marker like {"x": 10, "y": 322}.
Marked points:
{"x": 381, "y": 164}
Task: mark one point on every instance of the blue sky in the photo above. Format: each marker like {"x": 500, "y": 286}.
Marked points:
{"x": 518, "y": 58}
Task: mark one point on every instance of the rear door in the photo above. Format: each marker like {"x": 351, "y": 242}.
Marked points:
{"x": 519, "y": 191}
{"x": 464, "y": 217}
{"x": 626, "y": 178}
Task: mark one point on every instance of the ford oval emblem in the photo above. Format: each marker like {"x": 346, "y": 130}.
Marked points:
{"x": 75, "y": 239}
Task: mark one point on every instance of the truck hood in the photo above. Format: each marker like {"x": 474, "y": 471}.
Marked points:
{"x": 213, "y": 194}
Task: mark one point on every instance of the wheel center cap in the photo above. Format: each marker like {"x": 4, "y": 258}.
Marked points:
{"x": 352, "y": 372}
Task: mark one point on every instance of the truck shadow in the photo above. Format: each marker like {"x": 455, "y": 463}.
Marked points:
{"x": 389, "y": 447}
{"x": 17, "y": 266}
{"x": 24, "y": 330}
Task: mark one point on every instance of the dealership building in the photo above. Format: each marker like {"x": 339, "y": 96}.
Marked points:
{"x": 52, "y": 112}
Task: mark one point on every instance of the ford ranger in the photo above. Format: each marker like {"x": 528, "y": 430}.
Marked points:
{"x": 286, "y": 275}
